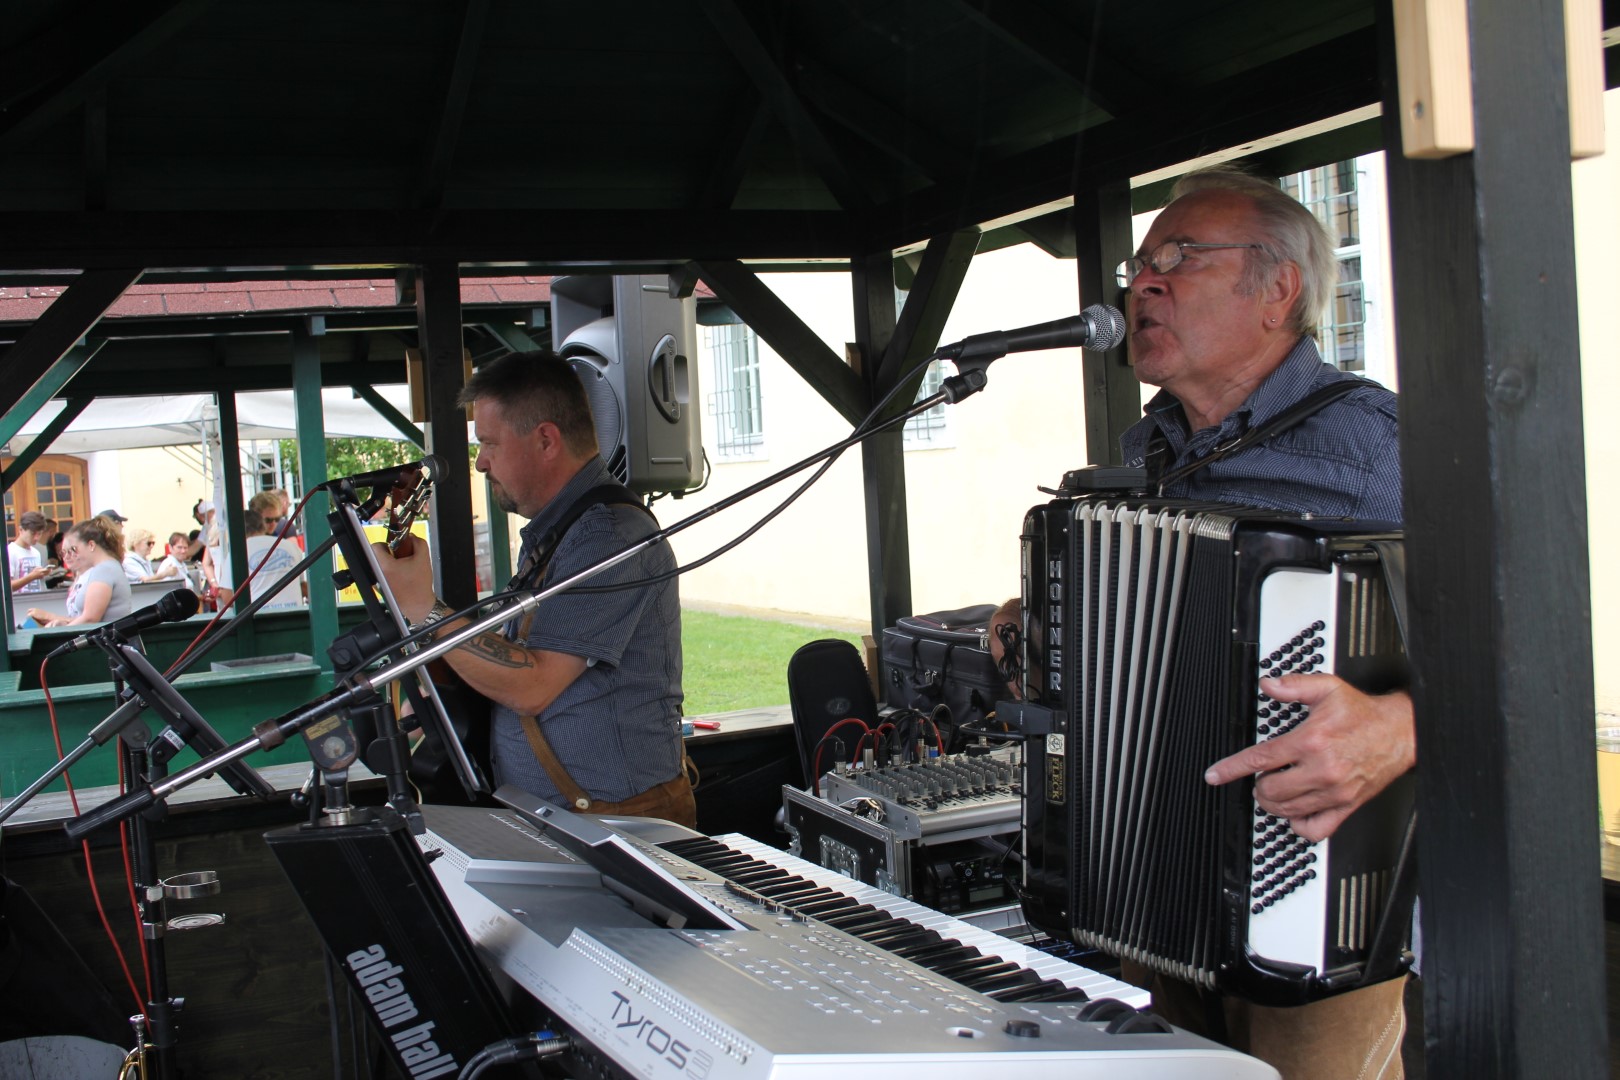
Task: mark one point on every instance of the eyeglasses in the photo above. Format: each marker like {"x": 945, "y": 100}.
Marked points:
{"x": 1164, "y": 258}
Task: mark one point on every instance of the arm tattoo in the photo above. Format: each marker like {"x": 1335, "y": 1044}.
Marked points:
{"x": 497, "y": 650}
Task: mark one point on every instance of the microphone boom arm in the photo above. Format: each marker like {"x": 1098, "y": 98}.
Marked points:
{"x": 269, "y": 734}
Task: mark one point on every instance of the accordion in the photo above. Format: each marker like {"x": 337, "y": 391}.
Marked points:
{"x": 1148, "y": 625}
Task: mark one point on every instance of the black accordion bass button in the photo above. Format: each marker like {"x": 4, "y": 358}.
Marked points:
{"x": 1257, "y": 909}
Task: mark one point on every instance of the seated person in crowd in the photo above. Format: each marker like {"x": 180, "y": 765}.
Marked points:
{"x": 94, "y": 551}
{"x": 174, "y": 560}
{"x": 138, "y": 559}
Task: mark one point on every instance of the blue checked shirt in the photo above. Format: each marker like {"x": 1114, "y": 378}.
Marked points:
{"x": 1343, "y": 461}
{"x": 617, "y": 728}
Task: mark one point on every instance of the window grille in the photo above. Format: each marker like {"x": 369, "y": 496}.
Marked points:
{"x": 929, "y": 428}
{"x": 735, "y": 403}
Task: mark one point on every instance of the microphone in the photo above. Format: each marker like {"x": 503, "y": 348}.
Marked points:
{"x": 173, "y": 606}
{"x": 1098, "y": 327}
{"x": 433, "y": 463}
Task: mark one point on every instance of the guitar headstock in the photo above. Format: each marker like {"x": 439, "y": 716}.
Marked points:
{"x": 406, "y": 500}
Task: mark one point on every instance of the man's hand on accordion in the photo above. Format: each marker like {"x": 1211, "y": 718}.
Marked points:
{"x": 1352, "y": 746}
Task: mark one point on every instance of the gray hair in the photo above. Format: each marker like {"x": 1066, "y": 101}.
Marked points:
{"x": 1291, "y": 233}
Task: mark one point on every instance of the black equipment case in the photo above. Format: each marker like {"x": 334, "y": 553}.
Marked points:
{"x": 940, "y": 659}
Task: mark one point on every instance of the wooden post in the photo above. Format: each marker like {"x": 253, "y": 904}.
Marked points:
{"x": 1496, "y": 537}
{"x": 1102, "y": 231}
{"x": 438, "y": 319}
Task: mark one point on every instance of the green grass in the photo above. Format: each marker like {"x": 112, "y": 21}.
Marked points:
{"x": 732, "y": 662}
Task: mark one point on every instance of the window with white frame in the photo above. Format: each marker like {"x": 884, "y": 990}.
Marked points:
{"x": 735, "y": 403}
{"x": 1332, "y": 194}
{"x": 928, "y": 428}
{"x": 931, "y": 428}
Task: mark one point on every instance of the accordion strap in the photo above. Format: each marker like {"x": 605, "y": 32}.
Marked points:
{"x": 1301, "y": 410}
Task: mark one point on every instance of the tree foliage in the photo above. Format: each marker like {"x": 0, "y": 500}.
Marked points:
{"x": 347, "y": 457}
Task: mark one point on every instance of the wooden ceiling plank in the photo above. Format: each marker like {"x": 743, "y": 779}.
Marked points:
{"x": 121, "y": 49}
{"x": 42, "y": 240}
{"x": 732, "y": 155}
{"x": 458, "y": 88}
{"x": 885, "y": 128}
{"x": 756, "y": 60}
{"x": 1066, "y": 52}
{"x": 1330, "y": 80}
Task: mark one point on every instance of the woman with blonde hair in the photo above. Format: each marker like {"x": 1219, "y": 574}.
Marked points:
{"x": 94, "y": 551}
{"x": 138, "y": 559}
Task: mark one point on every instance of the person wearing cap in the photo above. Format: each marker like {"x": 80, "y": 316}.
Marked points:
{"x": 28, "y": 565}
{"x": 113, "y": 515}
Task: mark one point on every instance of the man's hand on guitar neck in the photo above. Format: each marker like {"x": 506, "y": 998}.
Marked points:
{"x": 410, "y": 579}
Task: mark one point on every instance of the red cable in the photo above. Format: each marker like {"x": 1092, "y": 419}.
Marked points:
{"x": 89, "y": 865}
{"x": 815, "y": 758}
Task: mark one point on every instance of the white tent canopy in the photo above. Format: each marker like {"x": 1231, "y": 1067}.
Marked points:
{"x": 125, "y": 423}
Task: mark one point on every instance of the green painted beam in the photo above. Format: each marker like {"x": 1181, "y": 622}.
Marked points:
{"x": 20, "y": 464}
{"x": 310, "y": 426}
{"x": 386, "y": 410}
{"x": 49, "y": 384}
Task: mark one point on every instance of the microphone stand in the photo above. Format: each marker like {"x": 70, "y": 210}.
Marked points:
{"x": 359, "y": 687}
{"x": 129, "y": 711}
{"x": 383, "y": 833}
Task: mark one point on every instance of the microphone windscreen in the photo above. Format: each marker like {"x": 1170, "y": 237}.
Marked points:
{"x": 435, "y": 467}
{"x": 1108, "y": 324}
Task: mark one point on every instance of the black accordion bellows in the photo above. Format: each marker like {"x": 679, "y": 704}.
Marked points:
{"x": 1149, "y": 625}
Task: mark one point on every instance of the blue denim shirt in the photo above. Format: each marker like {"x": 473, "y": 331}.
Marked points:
{"x": 1343, "y": 461}
{"x": 616, "y": 728}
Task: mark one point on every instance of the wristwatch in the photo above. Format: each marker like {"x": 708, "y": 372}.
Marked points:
{"x": 439, "y": 610}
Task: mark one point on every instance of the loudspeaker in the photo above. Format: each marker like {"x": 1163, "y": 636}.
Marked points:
{"x": 633, "y": 346}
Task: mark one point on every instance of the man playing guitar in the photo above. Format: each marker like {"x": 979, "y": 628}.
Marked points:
{"x": 586, "y": 691}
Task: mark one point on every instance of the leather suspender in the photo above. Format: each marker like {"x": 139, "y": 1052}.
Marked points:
{"x": 530, "y": 575}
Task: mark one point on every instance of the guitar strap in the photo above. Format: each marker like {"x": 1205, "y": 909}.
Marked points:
{"x": 530, "y": 575}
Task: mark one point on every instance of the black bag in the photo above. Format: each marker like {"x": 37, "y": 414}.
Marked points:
{"x": 938, "y": 659}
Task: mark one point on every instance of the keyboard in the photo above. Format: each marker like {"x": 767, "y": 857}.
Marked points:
{"x": 761, "y": 989}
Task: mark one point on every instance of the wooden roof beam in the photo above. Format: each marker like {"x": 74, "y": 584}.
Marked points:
{"x": 55, "y": 72}
{"x": 879, "y": 124}
{"x": 1057, "y": 46}
{"x": 430, "y": 189}
{"x": 762, "y": 67}
{"x": 732, "y": 155}
{"x": 782, "y": 330}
